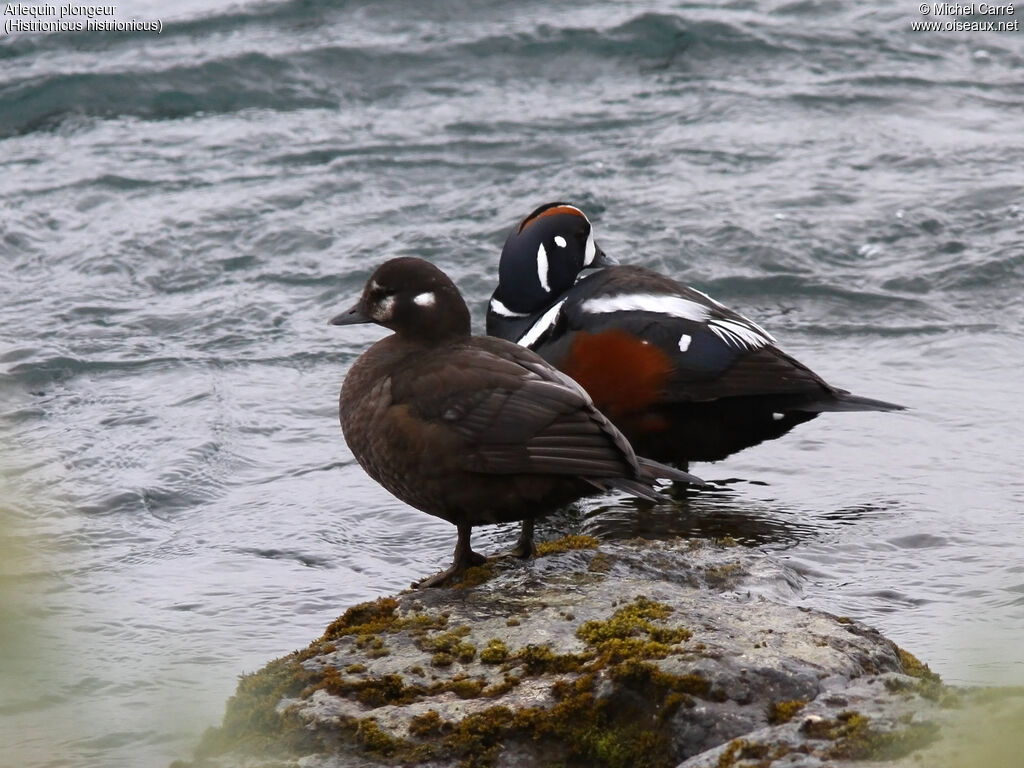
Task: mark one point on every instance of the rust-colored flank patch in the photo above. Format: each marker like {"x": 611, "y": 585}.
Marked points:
{"x": 622, "y": 373}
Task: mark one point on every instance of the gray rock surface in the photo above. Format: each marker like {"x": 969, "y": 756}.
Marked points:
{"x": 631, "y": 654}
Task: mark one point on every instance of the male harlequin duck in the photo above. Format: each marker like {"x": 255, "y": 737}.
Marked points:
{"x": 473, "y": 430}
{"x": 684, "y": 378}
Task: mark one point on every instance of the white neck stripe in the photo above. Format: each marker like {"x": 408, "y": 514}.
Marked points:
{"x": 500, "y": 309}
{"x": 544, "y": 323}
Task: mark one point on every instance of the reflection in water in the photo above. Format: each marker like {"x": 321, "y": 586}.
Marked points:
{"x": 707, "y": 513}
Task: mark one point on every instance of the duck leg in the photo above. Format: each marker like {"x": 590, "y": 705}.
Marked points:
{"x": 465, "y": 558}
{"x": 525, "y": 548}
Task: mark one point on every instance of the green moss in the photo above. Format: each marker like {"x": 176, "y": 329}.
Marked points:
{"x": 392, "y": 689}
{"x": 466, "y": 687}
{"x": 844, "y": 620}
{"x": 590, "y": 730}
{"x": 447, "y": 647}
{"x": 252, "y": 723}
{"x": 915, "y": 667}
{"x": 498, "y": 689}
{"x": 742, "y": 749}
{"x": 540, "y": 659}
{"x": 370, "y": 619}
{"x": 783, "y": 711}
{"x": 857, "y": 740}
{"x": 372, "y": 645}
{"x": 581, "y": 728}
{"x": 363, "y": 619}
{"x": 642, "y": 675}
{"x": 931, "y": 689}
{"x": 818, "y": 728}
{"x": 477, "y": 738}
{"x": 428, "y": 724}
{"x": 630, "y": 632}
{"x": 376, "y": 741}
{"x": 719, "y": 575}
{"x": 567, "y": 544}
{"x": 495, "y": 653}
{"x": 475, "y": 576}
{"x": 371, "y": 691}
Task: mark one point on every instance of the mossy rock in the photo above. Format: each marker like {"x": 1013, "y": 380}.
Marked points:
{"x": 642, "y": 662}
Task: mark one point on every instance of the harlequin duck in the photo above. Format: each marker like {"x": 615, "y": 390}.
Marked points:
{"x": 684, "y": 378}
{"x": 473, "y": 430}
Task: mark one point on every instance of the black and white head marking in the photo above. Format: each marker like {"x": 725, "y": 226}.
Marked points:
{"x": 426, "y": 299}
{"x": 542, "y": 258}
{"x": 382, "y": 308}
{"x": 590, "y": 249}
{"x": 413, "y": 298}
{"x": 542, "y": 268}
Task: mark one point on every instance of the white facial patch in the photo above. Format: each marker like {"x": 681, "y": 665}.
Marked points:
{"x": 778, "y": 416}
{"x": 500, "y": 309}
{"x": 425, "y": 299}
{"x": 383, "y": 309}
{"x": 560, "y": 241}
{"x": 740, "y": 333}
{"x": 590, "y": 250}
{"x": 543, "y": 324}
{"x": 684, "y": 342}
{"x": 542, "y": 268}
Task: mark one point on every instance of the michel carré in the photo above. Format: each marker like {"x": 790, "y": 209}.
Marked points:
{"x": 971, "y": 9}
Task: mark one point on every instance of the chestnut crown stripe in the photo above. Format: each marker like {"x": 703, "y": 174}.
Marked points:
{"x": 554, "y": 210}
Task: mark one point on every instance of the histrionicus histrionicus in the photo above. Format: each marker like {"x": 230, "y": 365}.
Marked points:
{"x": 473, "y": 430}
{"x": 684, "y": 378}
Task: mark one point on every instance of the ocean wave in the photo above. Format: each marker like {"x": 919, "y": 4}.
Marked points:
{"x": 241, "y": 76}
{"x": 225, "y": 85}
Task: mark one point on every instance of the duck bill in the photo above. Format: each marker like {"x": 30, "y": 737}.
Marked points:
{"x": 602, "y": 259}
{"x": 353, "y": 316}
